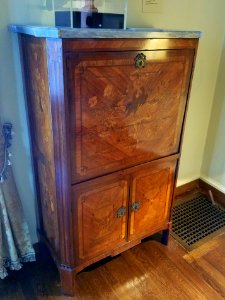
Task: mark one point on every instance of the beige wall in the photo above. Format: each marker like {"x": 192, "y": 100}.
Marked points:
{"x": 208, "y": 17}
{"x": 205, "y": 15}
{"x": 213, "y": 166}
{"x": 12, "y": 104}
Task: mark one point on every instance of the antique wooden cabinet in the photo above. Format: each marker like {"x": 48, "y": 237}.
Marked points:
{"x": 107, "y": 111}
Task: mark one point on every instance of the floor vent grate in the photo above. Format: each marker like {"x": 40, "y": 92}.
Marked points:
{"x": 196, "y": 220}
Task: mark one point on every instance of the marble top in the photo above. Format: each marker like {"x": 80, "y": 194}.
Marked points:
{"x": 63, "y": 32}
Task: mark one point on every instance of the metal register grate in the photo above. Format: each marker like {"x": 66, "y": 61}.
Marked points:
{"x": 196, "y": 220}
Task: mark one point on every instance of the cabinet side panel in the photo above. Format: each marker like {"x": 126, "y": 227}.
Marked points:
{"x": 36, "y": 80}
{"x": 60, "y": 130}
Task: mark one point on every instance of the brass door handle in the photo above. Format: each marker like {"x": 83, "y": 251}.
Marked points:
{"x": 136, "y": 206}
{"x": 121, "y": 212}
{"x": 140, "y": 61}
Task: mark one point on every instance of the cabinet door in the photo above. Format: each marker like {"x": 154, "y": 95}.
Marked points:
{"x": 122, "y": 115}
{"x": 151, "y": 196}
{"x": 101, "y": 216}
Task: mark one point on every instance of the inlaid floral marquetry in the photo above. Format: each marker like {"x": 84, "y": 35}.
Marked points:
{"x": 42, "y": 136}
{"x": 123, "y": 115}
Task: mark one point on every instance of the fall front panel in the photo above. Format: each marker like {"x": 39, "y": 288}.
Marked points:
{"x": 124, "y": 112}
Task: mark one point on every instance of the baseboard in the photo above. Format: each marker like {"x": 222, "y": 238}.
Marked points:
{"x": 187, "y": 187}
{"x": 181, "y": 182}
{"x": 213, "y": 183}
{"x": 217, "y": 195}
{"x": 206, "y": 185}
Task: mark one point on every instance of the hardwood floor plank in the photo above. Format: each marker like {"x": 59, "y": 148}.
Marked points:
{"x": 95, "y": 287}
{"x": 195, "y": 280}
{"x": 147, "y": 284}
{"x": 124, "y": 283}
{"x": 200, "y": 267}
{"x": 177, "y": 281}
{"x": 156, "y": 285}
{"x": 11, "y": 290}
{"x": 217, "y": 258}
{"x": 212, "y": 268}
{"x": 148, "y": 271}
{"x": 159, "y": 270}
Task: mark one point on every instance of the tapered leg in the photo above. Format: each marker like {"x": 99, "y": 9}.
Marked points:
{"x": 67, "y": 277}
{"x": 165, "y": 236}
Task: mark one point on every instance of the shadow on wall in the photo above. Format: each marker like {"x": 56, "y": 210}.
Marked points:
{"x": 13, "y": 108}
{"x": 214, "y": 159}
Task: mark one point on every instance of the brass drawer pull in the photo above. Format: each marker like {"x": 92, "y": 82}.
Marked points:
{"x": 136, "y": 206}
{"x": 140, "y": 61}
{"x": 121, "y": 212}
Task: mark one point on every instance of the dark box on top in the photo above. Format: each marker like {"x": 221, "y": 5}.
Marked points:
{"x": 89, "y": 20}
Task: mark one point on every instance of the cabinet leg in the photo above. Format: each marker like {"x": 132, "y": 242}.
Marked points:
{"x": 165, "y": 237}
{"x": 67, "y": 278}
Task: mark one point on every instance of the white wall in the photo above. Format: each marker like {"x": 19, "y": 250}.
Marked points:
{"x": 208, "y": 17}
{"x": 213, "y": 166}
{"x": 12, "y": 104}
{"x": 205, "y": 15}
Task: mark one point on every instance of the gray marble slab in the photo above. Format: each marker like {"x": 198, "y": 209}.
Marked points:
{"x": 57, "y": 32}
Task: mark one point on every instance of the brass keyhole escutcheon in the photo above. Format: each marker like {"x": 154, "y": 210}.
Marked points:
{"x": 136, "y": 206}
{"x": 121, "y": 212}
{"x": 140, "y": 61}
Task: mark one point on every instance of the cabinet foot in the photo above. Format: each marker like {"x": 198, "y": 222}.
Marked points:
{"x": 165, "y": 237}
{"x": 67, "y": 278}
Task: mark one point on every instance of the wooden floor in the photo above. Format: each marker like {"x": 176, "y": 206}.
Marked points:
{"x": 147, "y": 271}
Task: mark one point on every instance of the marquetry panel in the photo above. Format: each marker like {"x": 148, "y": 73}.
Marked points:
{"x": 41, "y": 134}
{"x": 100, "y": 228}
{"x": 151, "y": 196}
{"x": 122, "y": 115}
